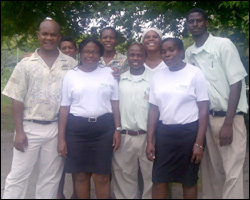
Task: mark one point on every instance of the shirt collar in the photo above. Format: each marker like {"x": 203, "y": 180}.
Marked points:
{"x": 115, "y": 58}
{"x": 128, "y": 76}
{"x": 35, "y": 55}
{"x": 206, "y": 46}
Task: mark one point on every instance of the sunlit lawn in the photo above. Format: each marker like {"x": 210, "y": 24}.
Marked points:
{"x": 6, "y": 114}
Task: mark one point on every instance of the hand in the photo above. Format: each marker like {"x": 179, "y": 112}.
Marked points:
{"x": 197, "y": 154}
{"x": 116, "y": 140}
{"x": 150, "y": 151}
{"x": 226, "y": 134}
{"x": 116, "y": 73}
{"x": 20, "y": 141}
{"x": 62, "y": 148}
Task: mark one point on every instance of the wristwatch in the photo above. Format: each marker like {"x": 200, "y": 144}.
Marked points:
{"x": 119, "y": 129}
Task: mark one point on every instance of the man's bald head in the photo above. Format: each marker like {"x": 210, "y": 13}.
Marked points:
{"x": 49, "y": 35}
{"x": 51, "y": 23}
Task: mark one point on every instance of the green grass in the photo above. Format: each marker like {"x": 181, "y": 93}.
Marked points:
{"x": 7, "y": 122}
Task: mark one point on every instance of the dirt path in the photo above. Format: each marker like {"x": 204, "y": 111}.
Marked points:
{"x": 6, "y": 159}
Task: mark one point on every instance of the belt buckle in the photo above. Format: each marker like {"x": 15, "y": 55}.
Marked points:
{"x": 137, "y": 133}
{"x": 213, "y": 114}
{"x": 92, "y": 119}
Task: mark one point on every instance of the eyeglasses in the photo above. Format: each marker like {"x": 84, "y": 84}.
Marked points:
{"x": 87, "y": 53}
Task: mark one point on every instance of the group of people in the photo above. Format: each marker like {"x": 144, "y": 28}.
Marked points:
{"x": 159, "y": 110}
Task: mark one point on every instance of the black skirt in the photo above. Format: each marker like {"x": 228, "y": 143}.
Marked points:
{"x": 89, "y": 144}
{"x": 173, "y": 153}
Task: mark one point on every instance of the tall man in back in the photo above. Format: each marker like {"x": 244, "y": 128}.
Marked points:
{"x": 224, "y": 155}
{"x": 35, "y": 88}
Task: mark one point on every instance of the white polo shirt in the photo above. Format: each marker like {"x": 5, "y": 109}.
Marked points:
{"x": 89, "y": 93}
{"x": 176, "y": 93}
{"x": 220, "y": 62}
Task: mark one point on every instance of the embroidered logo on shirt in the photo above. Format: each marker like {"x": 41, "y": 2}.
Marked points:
{"x": 182, "y": 87}
{"x": 104, "y": 85}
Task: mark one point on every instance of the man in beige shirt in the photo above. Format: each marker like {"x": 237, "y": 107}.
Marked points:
{"x": 35, "y": 89}
{"x": 226, "y": 137}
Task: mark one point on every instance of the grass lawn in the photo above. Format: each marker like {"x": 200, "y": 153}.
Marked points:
{"x": 7, "y": 122}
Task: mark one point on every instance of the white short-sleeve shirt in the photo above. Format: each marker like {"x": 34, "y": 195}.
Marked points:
{"x": 162, "y": 65}
{"x": 89, "y": 93}
{"x": 176, "y": 93}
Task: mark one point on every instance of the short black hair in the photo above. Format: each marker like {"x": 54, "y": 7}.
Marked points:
{"x": 109, "y": 28}
{"x": 67, "y": 39}
{"x": 177, "y": 41}
{"x": 88, "y": 40}
{"x": 138, "y": 44}
{"x": 199, "y": 10}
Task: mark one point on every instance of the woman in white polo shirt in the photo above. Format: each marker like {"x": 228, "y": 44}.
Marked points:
{"x": 178, "y": 97}
{"x": 88, "y": 116}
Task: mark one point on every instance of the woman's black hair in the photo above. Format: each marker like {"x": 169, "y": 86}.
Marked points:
{"x": 67, "y": 39}
{"x": 85, "y": 42}
{"x": 177, "y": 41}
{"x": 198, "y": 10}
{"x": 109, "y": 28}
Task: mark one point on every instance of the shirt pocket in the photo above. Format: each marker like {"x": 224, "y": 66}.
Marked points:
{"x": 212, "y": 70}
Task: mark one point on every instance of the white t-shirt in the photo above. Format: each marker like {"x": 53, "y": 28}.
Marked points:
{"x": 176, "y": 93}
{"x": 89, "y": 93}
{"x": 162, "y": 65}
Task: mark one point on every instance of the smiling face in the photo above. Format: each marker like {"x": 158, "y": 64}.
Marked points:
{"x": 49, "y": 35}
{"x": 152, "y": 41}
{"x": 136, "y": 56}
{"x": 108, "y": 39}
{"x": 196, "y": 24}
{"x": 68, "y": 48}
{"x": 90, "y": 55}
{"x": 171, "y": 54}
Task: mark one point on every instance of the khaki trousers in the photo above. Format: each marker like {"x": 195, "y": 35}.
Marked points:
{"x": 126, "y": 161}
{"x": 42, "y": 147}
{"x": 222, "y": 167}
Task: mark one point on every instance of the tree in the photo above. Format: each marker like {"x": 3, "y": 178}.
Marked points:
{"x": 228, "y": 18}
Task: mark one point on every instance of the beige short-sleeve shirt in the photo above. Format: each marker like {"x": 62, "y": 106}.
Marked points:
{"x": 38, "y": 86}
{"x": 134, "y": 95}
{"x": 220, "y": 62}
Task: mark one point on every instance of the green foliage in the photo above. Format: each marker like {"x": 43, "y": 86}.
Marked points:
{"x": 6, "y": 114}
{"x": 227, "y": 18}
{"x": 7, "y": 71}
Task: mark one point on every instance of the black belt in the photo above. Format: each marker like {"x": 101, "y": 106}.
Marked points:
{"x": 40, "y": 122}
{"x": 221, "y": 113}
{"x": 93, "y": 119}
{"x": 133, "y": 133}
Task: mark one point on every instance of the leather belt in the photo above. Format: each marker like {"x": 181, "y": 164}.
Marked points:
{"x": 92, "y": 119}
{"x": 40, "y": 122}
{"x": 133, "y": 133}
{"x": 95, "y": 119}
{"x": 221, "y": 113}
